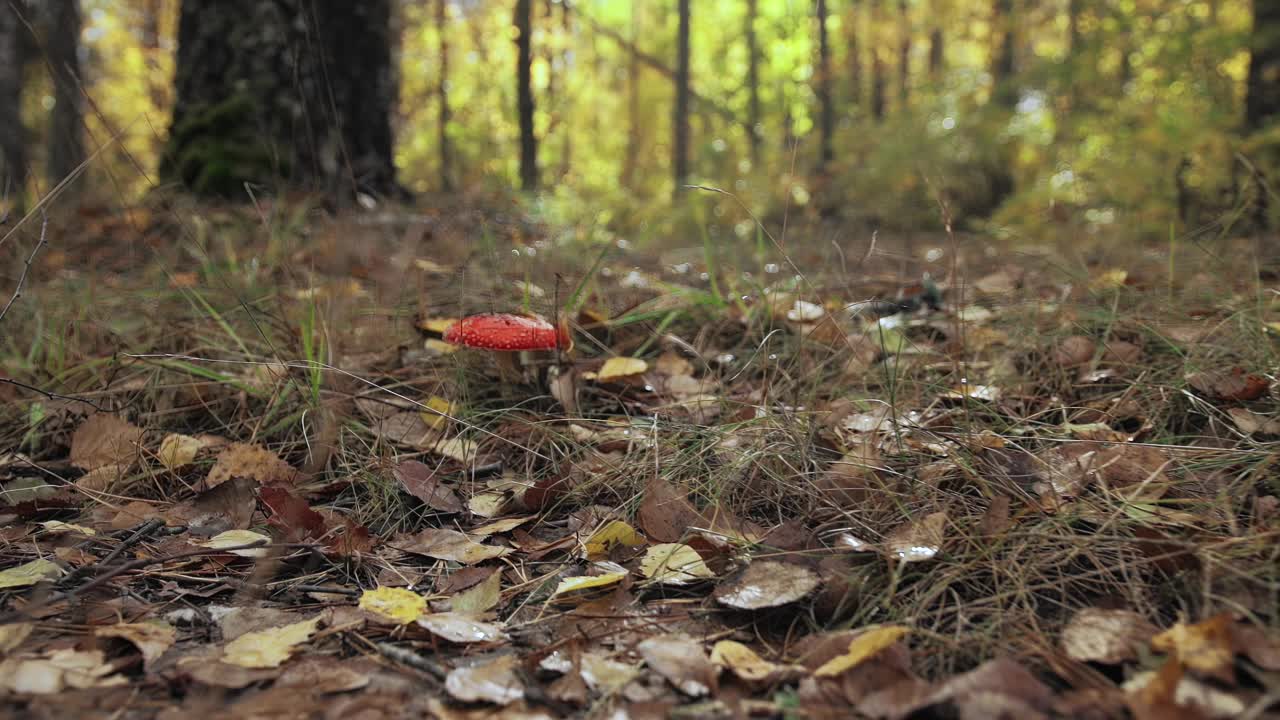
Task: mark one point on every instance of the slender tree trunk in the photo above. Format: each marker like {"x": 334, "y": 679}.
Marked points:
{"x": 566, "y": 106}
{"x": 285, "y": 93}
{"x": 1262, "y": 95}
{"x": 524, "y": 95}
{"x": 680, "y": 114}
{"x": 66, "y": 144}
{"x": 446, "y": 113}
{"x": 633, "y": 103}
{"x": 1004, "y": 93}
{"x": 904, "y": 54}
{"x": 13, "y": 144}
{"x": 879, "y": 82}
{"x": 854, "y": 58}
{"x": 826, "y": 113}
{"x": 937, "y": 44}
{"x": 753, "y": 84}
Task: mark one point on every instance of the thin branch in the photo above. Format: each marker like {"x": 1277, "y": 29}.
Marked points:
{"x": 26, "y": 269}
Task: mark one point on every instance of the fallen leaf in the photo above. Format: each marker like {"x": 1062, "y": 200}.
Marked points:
{"x": 1105, "y": 636}
{"x": 104, "y": 440}
{"x": 151, "y": 638}
{"x": 235, "y": 538}
{"x": 674, "y": 564}
{"x": 1206, "y": 647}
{"x": 605, "y": 675}
{"x": 57, "y": 527}
{"x": 459, "y": 628}
{"x": 917, "y": 540}
{"x": 178, "y": 451}
{"x": 62, "y": 669}
{"x": 498, "y": 527}
{"x": 493, "y": 682}
{"x": 680, "y": 660}
{"x": 322, "y": 675}
{"x": 608, "y": 536}
{"x": 1233, "y": 384}
{"x": 438, "y": 412}
{"x": 229, "y": 506}
{"x": 240, "y": 460}
{"x": 862, "y": 648}
{"x": 747, "y": 665}
{"x": 766, "y": 584}
{"x": 454, "y": 448}
{"x": 666, "y": 514}
{"x": 480, "y": 598}
{"x": 617, "y": 368}
{"x": 269, "y": 648}
{"x": 1074, "y": 351}
{"x": 293, "y": 514}
{"x": 29, "y": 573}
{"x": 12, "y": 635}
{"x": 445, "y": 544}
{"x": 587, "y": 582}
{"x": 395, "y": 604}
{"x": 422, "y": 482}
{"x": 1251, "y": 423}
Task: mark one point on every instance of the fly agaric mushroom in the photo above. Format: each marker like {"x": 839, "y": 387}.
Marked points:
{"x": 506, "y": 334}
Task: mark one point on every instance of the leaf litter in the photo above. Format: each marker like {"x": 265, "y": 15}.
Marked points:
{"x": 1006, "y": 498}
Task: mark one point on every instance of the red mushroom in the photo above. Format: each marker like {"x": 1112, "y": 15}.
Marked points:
{"x": 506, "y": 333}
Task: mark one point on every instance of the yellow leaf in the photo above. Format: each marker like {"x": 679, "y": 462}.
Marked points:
{"x": 612, "y": 533}
{"x": 1206, "y": 647}
{"x": 862, "y": 648}
{"x": 616, "y": 368}
{"x": 429, "y": 266}
{"x": 436, "y": 325}
{"x": 57, "y": 527}
{"x": 178, "y": 450}
{"x": 479, "y": 598}
{"x": 234, "y": 538}
{"x": 464, "y": 451}
{"x": 1110, "y": 279}
{"x": 29, "y": 573}
{"x": 487, "y": 504}
{"x": 585, "y": 582}
{"x": 443, "y": 410}
{"x": 436, "y": 347}
{"x": 395, "y": 604}
{"x": 268, "y": 648}
{"x": 742, "y": 660}
{"x": 674, "y": 564}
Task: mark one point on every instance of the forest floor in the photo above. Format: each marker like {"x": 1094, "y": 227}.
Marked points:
{"x": 818, "y": 475}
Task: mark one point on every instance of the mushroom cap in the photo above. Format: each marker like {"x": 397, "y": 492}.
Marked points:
{"x": 507, "y": 332}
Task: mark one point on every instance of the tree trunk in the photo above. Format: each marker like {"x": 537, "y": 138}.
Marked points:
{"x": 631, "y": 160}
{"x": 937, "y": 49}
{"x": 1262, "y": 96}
{"x": 446, "y": 114}
{"x": 13, "y": 146}
{"x": 826, "y": 112}
{"x": 855, "y": 57}
{"x": 879, "y": 82}
{"x": 66, "y": 144}
{"x": 290, "y": 93}
{"x": 753, "y": 84}
{"x": 904, "y": 54}
{"x": 680, "y": 115}
{"x": 1004, "y": 93}
{"x": 524, "y": 95}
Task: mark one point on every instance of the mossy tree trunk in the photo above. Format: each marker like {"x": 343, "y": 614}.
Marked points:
{"x": 283, "y": 94}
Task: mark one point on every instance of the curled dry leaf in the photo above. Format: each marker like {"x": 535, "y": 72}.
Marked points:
{"x": 674, "y": 564}
{"x": 178, "y": 451}
{"x": 863, "y": 647}
{"x": 458, "y": 628}
{"x": 422, "y": 482}
{"x": 60, "y": 670}
{"x": 1206, "y": 647}
{"x": 395, "y": 604}
{"x": 268, "y": 648}
{"x": 57, "y": 527}
{"x": 587, "y": 582}
{"x": 1251, "y": 423}
{"x": 1105, "y": 636}
{"x": 747, "y": 665}
{"x": 103, "y": 440}
{"x": 12, "y": 635}
{"x": 1233, "y": 384}
{"x": 620, "y": 368}
{"x": 611, "y": 534}
{"x": 480, "y": 598}
{"x": 237, "y": 538}
{"x": 1074, "y": 351}
{"x": 766, "y": 584}
{"x": 493, "y": 682}
{"x": 240, "y": 460}
{"x": 445, "y": 544}
{"x": 680, "y": 660}
{"x": 151, "y": 638}
{"x": 917, "y": 540}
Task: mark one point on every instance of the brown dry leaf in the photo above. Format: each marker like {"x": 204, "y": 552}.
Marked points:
{"x": 1207, "y": 647}
{"x": 1065, "y": 471}
{"x": 674, "y": 564}
{"x": 682, "y": 661}
{"x": 104, "y": 440}
{"x": 672, "y": 364}
{"x": 238, "y": 539}
{"x": 1000, "y": 688}
{"x": 178, "y": 451}
{"x": 1169, "y": 694}
{"x": 422, "y": 482}
{"x": 445, "y": 544}
{"x": 917, "y": 540}
{"x": 254, "y": 462}
{"x": 229, "y": 506}
{"x": 766, "y": 584}
{"x": 666, "y": 514}
{"x": 459, "y": 628}
{"x": 747, "y": 665}
{"x": 1259, "y": 644}
{"x": 293, "y": 514}
{"x": 1251, "y": 423}
{"x": 497, "y": 527}
{"x": 269, "y": 648}
{"x": 203, "y": 666}
{"x": 323, "y": 675}
{"x": 60, "y": 670}
{"x": 12, "y": 635}
{"x": 1106, "y": 636}
{"x": 865, "y": 646}
{"x": 480, "y": 598}
{"x": 495, "y": 681}
{"x": 1233, "y": 384}
{"x": 1074, "y": 351}
{"x": 151, "y": 638}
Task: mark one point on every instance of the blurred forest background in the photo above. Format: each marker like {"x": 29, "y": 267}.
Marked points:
{"x": 1016, "y": 114}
